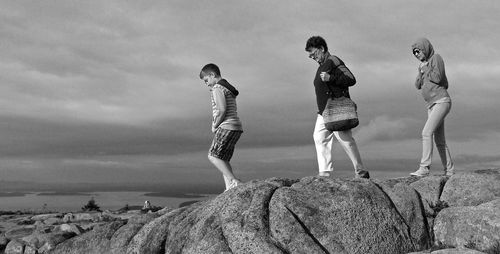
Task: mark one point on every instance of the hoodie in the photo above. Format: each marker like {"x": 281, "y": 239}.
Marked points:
{"x": 431, "y": 78}
{"x": 224, "y": 109}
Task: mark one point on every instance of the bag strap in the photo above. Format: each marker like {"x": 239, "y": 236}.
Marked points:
{"x": 337, "y": 63}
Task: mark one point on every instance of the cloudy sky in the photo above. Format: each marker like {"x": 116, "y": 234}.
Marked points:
{"x": 108, "y": 91}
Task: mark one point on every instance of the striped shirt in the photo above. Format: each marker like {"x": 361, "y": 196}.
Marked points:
{"x": 224, "y": 109}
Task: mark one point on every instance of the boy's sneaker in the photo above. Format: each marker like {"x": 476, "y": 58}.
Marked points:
{"x": 234, "y": 183}
{"x": 421, "y": 172}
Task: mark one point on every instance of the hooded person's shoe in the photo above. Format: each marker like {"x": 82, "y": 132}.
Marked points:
{"x": 421, "y": 172}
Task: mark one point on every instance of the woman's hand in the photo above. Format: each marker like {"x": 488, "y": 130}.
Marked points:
{"x": 324, "y": 76}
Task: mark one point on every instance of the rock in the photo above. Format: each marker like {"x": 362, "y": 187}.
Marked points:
{"x": 95, "y": 241}
{"x": 410, "y": 206}
{"x": 450, "y": 251}
{"x": 430, "y": 188}
{"x": 37, "y": 240}
{"x": 71, "y": 228}
{"x": 310, "y": 215}
{"x": 19, "y": 232}
{"x": 320, "y": 215}
{"x": 472, "y": 188}
{"x": 53, "y": 221}
{"x": 14, "y": 247}
{"x": 42, "y": 217}
{"x": 233, "y": 221}
{"x": 164, "y": 210}
{"x": 76, "y": 217}
{"x": 30, "y": 250}
{"x": 151, "y": 237}
{"x": 457, "y": 251}
{"x": 143, "y": 218}
{"x": 121, "y": 238}
{"x": 3, "y": 241}
{"x": 470, "y": 225}
{"x": 244, "y": 216}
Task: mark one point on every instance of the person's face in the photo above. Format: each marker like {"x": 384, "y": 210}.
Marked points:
{"x": 209, "y": 79}
{"x": 419, "y": 54}
{"x": 316, "y": 54}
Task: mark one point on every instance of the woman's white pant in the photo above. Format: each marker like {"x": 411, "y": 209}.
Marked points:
{"x": 323, "y": 140}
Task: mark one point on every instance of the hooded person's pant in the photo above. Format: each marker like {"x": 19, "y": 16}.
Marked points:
{"x": 434, "y": 129}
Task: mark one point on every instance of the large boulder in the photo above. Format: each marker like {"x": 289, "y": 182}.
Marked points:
{"x": 19, "y": 232}
{"x": 3, "y": 241}
{"x": 37, "y": 240}
{"x": 478, "y": 226}
{"x": 121, "y": 238}
{"x": 472, "y": 188}
{"x": 318, "y": 215}
{"x": 95, "y": 241}
{"x": 235, "y": 221}
{"x": 14, "y": 247}
{"x": 410, "y": 206}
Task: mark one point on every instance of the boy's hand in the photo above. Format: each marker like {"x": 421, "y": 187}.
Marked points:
{"x": 324, "y": 76}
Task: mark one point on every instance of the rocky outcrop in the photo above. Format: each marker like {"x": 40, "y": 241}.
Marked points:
{"x": 472, "y": 188}
{"x": 470, "y": 225}
{"x": 310, "y": 215}
{"x": 313, "y": 215}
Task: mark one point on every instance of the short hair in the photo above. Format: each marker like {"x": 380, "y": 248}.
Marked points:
{"x": 209, "y": 69}
{"x": 316, "y": 42}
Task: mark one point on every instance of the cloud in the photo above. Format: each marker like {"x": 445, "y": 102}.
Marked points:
{"x": 384, "y": 128}
{"x": 120, "y": 78}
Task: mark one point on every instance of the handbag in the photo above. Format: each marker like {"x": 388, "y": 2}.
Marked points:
{"x": 340, "y": 113}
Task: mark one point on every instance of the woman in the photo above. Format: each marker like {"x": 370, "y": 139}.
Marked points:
{"x": 431, "y": 79}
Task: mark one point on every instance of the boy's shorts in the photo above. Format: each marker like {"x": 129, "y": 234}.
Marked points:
{"x": 223, "y": 144}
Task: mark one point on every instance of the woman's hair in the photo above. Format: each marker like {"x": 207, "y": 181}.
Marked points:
{"x": 208, "y": 69}
{"x": 316, "y": 42}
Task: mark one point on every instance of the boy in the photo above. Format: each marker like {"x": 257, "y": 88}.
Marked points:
{"x": 226, "y": 125}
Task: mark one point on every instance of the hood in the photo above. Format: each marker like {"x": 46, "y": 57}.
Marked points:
{"x": 231, "y": 88}
{"x": 424, "y": 45}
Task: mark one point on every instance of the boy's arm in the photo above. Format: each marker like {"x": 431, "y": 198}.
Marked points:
{"x": 220, "y": 108}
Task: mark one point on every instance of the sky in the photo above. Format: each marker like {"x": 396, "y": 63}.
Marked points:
{"x": 108, "y": 91}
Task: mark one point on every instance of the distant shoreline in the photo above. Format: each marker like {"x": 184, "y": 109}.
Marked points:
{"x": 174, "y": 195}
{"x": 14, "y": 194}
{"x": 69, "y": 193}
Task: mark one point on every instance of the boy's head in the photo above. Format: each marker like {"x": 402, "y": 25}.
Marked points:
{"x": 210, "y": 74}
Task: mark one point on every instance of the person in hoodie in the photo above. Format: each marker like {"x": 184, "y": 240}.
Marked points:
{"x": 432, "y": 81}
{"x": 226, "y": 124}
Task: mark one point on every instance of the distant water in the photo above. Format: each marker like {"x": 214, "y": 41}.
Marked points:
{"x": 72, "y": 202}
